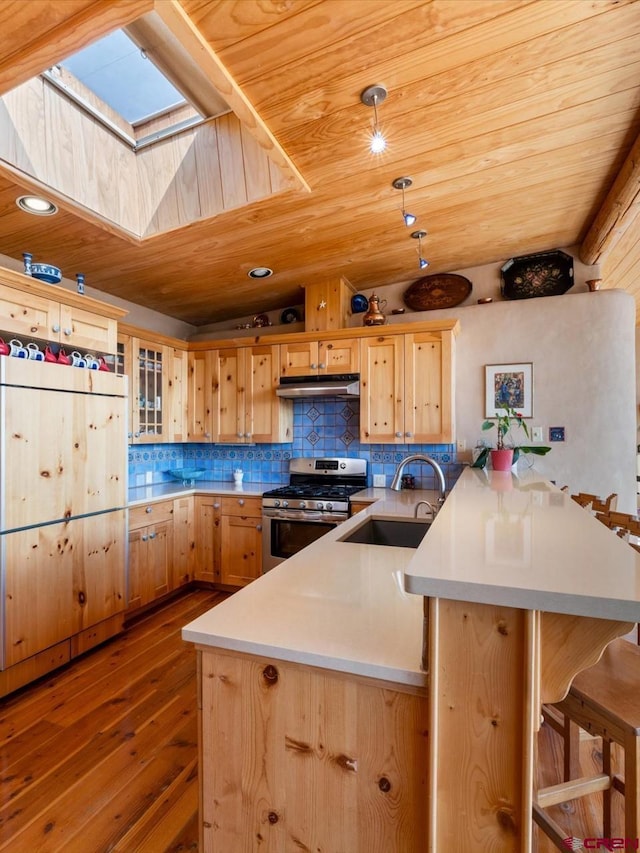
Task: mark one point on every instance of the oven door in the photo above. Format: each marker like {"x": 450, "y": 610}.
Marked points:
{"x": 284, "y": 533}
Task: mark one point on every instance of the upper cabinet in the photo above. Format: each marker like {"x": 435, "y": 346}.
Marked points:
{"x": 158, "y": 386}
{"x": 407, "y": 388}
{"x": 325, "y": 357}
{"x": 33, "y": 309}
{"x": 245, "y": 408}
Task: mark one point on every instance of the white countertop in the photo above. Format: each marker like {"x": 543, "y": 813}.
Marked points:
{"x": 515, "y": 541}
{"x": 521, "y": 542}
{"x": 336, "y": 605}
{"x": 163, "y": 491}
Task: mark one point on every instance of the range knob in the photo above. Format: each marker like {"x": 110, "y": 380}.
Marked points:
{"x": 302, "y": 504}
{"x": 276, "y": 503}
{"x": 319, "y": 505}
{"x": 329, "y": 506}
{"x": 285, "y": 503}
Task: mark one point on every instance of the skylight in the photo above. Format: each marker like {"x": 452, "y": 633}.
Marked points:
{"x": 115, "y": 70}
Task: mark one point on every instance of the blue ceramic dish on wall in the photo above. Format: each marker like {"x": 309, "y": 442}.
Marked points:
{"x": 359, "y": 303}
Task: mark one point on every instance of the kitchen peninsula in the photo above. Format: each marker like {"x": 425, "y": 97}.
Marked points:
{"x": 338, "y": 714}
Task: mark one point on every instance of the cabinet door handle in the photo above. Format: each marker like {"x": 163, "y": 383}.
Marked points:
{"x": 66, "y": 332}
{"x": 409, "y": 434}
{"x": 55, "y": 328}
{"x": 313, "y": 366}
{"x": 207, "y": 435}
{"x": 149, "y": 509}
{"x": 136, "y": 435}
{"x": 398, "y": 435}
{"x": 216, "y": 506}
{"x": 34, "y": 329}
{"x": 152, "y": 536}
{"x": 258, "y": 527}
{"x": 241, "y": 501}
{"x": 321, "y": 366}
{"x": 144, "y": 538}
{"x": 247, "y": 435}
{"x": 240, "y": 435}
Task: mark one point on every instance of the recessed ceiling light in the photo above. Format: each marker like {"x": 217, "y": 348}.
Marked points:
{"x": 260, "y": 272}
{"x": 36, "y": 205}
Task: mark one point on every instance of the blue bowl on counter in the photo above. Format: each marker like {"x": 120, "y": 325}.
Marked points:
{"x": 45, "y": 272}
{"x": 187, "y": 476}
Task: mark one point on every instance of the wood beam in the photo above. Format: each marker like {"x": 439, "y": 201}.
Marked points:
{"x": 618, "y": 212}
{"x": 177, "y": 20}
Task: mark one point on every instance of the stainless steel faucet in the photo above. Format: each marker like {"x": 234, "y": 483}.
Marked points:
{"x": 430, "y": 507}
{"x": 420, "y": 457}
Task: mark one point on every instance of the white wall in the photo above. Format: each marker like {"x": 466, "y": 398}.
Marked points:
{"x": 582, "y": 347}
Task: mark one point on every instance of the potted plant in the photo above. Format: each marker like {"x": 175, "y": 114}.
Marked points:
{"x": 505, "y": 455}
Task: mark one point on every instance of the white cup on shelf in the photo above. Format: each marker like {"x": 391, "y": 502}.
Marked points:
{"x": 238, "y": 474}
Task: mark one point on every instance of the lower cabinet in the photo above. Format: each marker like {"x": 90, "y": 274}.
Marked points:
{"x": 204, "y": 538}
{"x": 207, "y": 538}
{"x": 64, "y": 592}
{"x": 334, "y": 761}
{"x": 241, "y": 540}
{"x": 149, "y": 563}
{"x": 161, "y": 550}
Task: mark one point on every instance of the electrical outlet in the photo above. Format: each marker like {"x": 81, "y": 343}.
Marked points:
{"x": 461, "y": 444}
{"x": 536, "y": 433}
{"x": 379, "y": 480}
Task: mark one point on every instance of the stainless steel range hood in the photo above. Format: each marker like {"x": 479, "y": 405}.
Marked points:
{"x": 339, "y": 385}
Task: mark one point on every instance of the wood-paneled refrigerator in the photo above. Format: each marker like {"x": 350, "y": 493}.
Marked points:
{"x": 62, "y": 514}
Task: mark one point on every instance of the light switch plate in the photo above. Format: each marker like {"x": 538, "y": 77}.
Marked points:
{"x": 536, "y": 433}
{"x": 379, "y": 480}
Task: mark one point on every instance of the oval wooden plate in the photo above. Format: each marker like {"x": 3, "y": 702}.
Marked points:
{"x": 443, "y": 290}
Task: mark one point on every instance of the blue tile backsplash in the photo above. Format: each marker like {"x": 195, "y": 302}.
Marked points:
{"x": 320, "y": 428}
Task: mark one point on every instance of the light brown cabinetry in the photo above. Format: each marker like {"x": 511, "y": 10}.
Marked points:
{"x": 183, "y": 541}
{"x": 407, "y": 388}
{"x": 177, "y": 400}
{"x": 207, "y": 515}
{"x": 288, "y": 751}
{"x": 327, "y": 304}
{"x": 62, "y": 517}
{"x": 150, "y": 553}
{"x": 61, "y": 579}
{"x": 247, "y": 407}
{"x": 319, "y": 358}
{"x": 241, "y": 540}
{"x": 40, "y": 316}
{"x": 200, "y": 396}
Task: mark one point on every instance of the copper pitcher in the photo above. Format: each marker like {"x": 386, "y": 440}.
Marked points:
{"x": 374, "y": 315}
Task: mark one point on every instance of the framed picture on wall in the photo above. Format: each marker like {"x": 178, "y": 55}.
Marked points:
{"x": 509, "y": 385}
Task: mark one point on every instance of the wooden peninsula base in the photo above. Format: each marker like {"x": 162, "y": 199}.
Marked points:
{"x": 298, "y": 757}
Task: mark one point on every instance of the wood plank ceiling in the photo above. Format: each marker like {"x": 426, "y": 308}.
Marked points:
{"x": 512, "y": 117}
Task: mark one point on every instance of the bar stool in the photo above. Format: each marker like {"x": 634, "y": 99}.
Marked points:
{"x": 595, "y": 503}
{"x": 604, "y": 700}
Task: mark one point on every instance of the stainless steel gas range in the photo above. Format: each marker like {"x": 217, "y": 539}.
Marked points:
{"x": 316, "y": 500}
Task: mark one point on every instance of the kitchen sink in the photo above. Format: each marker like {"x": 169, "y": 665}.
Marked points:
{"x": 403, "y": 533}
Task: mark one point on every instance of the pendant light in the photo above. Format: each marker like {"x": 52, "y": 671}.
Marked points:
{"x": 402, "y": 184}
{"x": 419, "y": 235}
{"x": 371, "y": 97}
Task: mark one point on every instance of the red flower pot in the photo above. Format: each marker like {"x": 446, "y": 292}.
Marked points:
{"x": 502, "y": 460}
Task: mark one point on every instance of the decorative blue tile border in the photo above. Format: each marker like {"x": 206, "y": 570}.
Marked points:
{"x": 321, "y": 428}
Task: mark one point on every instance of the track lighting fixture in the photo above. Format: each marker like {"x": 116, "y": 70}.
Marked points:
{"x": 402, "y": 184}
{"x": 371, "y": 97}
{"x": 418, "y": 235}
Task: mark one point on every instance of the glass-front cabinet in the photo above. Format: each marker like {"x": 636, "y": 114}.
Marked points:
{"x": 147, "y": 364}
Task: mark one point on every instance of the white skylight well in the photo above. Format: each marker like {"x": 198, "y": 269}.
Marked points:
{"x": 118, "y": 72}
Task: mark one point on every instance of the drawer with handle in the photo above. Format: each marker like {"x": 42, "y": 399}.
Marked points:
{"x": 152, "y": 513}
{"x": 241, "y": 506}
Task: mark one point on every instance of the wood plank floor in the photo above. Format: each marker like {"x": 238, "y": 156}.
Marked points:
{"x": 102, "y": 755}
